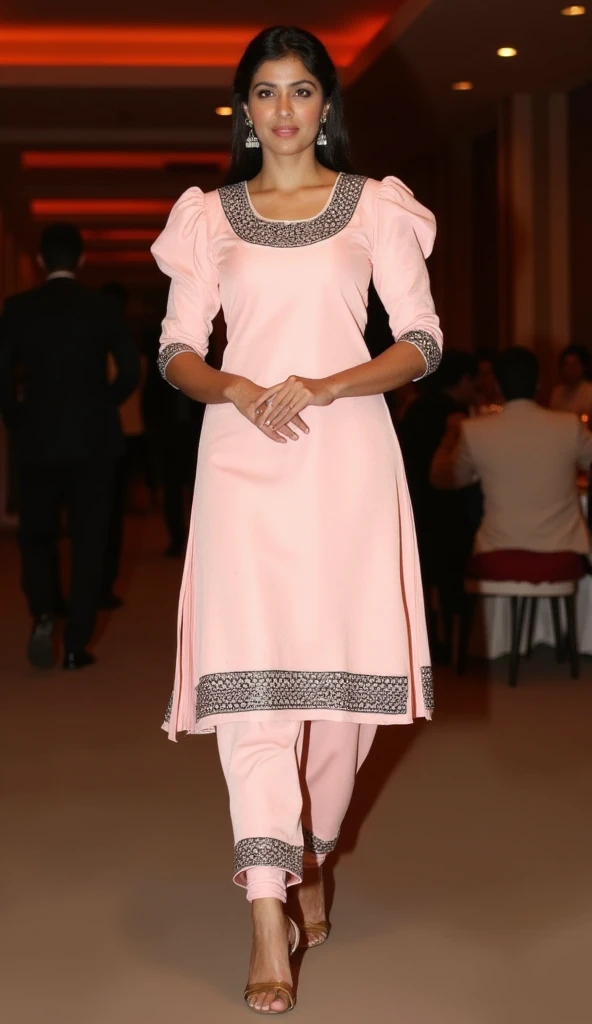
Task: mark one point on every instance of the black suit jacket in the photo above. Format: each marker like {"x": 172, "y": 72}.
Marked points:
{"x": 55, "y": 395}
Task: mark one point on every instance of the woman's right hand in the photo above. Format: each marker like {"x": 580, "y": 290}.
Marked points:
{"x": 245, "y": 394}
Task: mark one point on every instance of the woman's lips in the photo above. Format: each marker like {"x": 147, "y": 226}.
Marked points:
{"x": 284, "y": 133}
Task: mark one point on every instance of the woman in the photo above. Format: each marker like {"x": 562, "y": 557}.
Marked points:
{"x": 301, "y": 621}
{"x": 574, "y": 393}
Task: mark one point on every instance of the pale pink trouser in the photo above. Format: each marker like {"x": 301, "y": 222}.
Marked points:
{"x": 290, "y": 784}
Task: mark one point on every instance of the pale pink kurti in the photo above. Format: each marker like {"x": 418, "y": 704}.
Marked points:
{"x": 301, "y": 596}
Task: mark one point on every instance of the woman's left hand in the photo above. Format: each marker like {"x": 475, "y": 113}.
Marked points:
{"x": 279, "y": 404}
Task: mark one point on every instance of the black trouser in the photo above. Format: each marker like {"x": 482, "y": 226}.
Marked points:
{"x": 138, "y": 458}
{"x": 86, "y": 488}
{"x": 179, "y": 456}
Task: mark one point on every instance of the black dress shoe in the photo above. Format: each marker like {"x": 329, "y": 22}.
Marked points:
{"x": 110, "y": 602}
{"x": 78, "y": 659}
{"x": 41, "y": 646}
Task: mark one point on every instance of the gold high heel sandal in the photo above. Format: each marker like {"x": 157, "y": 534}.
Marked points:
{"x": 317, "y": 931}
{"x": 281, "y": 989}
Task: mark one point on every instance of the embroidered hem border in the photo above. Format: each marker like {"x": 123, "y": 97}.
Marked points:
{"x": 427, "y": 687}
{"x": 283, "y": 690}
{"x": 222, "y": 693}
{"x": 312, "y": 843}
{"x": 261, "y": 851}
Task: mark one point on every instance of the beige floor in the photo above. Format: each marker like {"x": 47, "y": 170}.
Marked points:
{"x": 464, "y": 898}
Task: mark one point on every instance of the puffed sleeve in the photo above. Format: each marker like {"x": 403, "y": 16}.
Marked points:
{"x": 182, "y": 252}
{"x": 404, "y": 233}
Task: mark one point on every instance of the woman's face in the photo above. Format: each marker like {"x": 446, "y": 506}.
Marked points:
{"x": 285, "y": 105}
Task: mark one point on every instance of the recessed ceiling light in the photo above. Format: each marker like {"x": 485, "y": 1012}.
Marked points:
{"x": 507, "y": 51}
{"x": 573, "y": 11}
{"x": 462, "y": 86}
{"x": 224, "y": 111}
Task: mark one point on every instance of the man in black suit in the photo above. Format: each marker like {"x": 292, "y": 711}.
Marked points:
{"x": 56, "y": 399}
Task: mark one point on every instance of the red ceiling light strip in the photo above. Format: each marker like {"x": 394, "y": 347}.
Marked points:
{"x": 101, "y": 207}
{"x": 117, "y": 160}
{"x": 101, "y": 235}
{"x": 69, "y": 45}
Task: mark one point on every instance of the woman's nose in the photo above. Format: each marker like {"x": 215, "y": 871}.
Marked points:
{"x": 284, "y": 106}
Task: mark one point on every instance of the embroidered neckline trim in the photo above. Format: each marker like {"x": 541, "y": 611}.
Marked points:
{"x": 249, "y": 226}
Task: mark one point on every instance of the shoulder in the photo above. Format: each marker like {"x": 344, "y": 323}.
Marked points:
{"x": 557, "y": 420}
{"x": 187, "y": 224}
{"x": 393, "y": 206}
{"x": 22, "y": 299}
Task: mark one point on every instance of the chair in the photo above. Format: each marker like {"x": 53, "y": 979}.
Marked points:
{"x": 523, "y": 596}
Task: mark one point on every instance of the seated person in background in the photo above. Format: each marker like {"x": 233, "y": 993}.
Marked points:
{"x": 488, "y": 395}
{"x": 574, "y": 394}
{"x": 526, "y": 459}
{"x": 445, "y": 523}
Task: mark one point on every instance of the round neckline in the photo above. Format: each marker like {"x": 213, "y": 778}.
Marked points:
{"x": 303, "y": 220}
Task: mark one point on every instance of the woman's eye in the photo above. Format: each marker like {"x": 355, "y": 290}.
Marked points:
{"x": 264, "y": 92}
{"x": 303, "y": 92}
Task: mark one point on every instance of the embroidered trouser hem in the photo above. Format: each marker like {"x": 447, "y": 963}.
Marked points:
{"x": 290, "y": 784}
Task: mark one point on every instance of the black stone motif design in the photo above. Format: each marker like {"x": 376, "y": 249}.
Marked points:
{"x": 223, "y": 693}
{"x": 312, "y": 843}
{"x": 169, "y": 710}
{"x": 428, "y": 346}
{"x": 263, "y": 852}
{"x": 427, "y": 687}
{"x": 290, "y": 234}
{"x": 169, "y": 352}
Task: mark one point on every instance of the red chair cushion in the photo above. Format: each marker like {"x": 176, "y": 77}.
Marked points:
{"x": 526, "y": 566}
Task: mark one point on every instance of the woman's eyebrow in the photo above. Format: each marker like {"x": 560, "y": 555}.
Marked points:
{"x": 273, "y": 85}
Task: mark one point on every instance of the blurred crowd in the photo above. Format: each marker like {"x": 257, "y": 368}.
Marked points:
{"x": 95, "y": 431}
{"x": 492, "y": 472}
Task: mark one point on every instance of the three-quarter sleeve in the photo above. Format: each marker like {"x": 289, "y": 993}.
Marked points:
{"x": 404, "y": 233}
{"x": 182, "y": 251}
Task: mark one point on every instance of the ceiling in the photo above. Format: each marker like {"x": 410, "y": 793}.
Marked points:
{"x": 397, "y": 61}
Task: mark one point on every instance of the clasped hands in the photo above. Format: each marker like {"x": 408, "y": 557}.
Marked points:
{"x": 276, "y": 410}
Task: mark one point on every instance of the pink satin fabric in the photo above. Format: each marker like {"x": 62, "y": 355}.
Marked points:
{"x": 286, "y": 777}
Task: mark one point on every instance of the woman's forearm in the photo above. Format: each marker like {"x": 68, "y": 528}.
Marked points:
{"x": 190, "y": 374}
{"x": 399, "y": 364}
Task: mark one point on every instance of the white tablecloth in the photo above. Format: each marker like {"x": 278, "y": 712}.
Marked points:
{"x": 492, "y": 634}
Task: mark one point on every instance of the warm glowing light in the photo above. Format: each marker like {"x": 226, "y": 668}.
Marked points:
{"x": 507, "y": 51}
{"x": 51, "y": 45}
{"x": 118, "y": 160}
{"x": 574, "y": 11}
{"x": 224, "y": 111}
{"x": 101, "y": 207}
{"x": 462, "y": 86}
{"x": 94, "y": 235}
{"x": 584, "y": 417}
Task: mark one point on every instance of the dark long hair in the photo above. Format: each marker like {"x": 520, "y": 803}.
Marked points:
{"x": 273, "y": 44}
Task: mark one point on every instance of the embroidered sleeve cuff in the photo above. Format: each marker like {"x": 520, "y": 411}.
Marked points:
{"x": 169, "y": 352}
{"x": 429, "y": 348}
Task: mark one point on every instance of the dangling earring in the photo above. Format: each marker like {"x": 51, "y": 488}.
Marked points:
{"x": 321, "y": 137}
{"x": 252, "y": 142}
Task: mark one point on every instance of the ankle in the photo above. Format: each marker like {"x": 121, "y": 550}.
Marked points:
{"x": 266, "y": 909}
